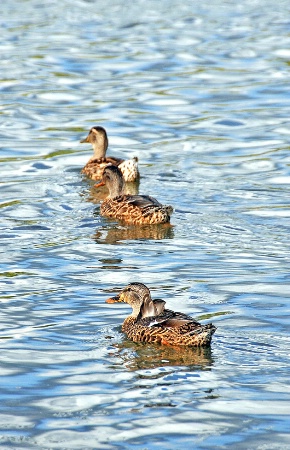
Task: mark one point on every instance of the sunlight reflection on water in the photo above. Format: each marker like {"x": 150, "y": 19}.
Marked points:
{"x": 199, "y": 93}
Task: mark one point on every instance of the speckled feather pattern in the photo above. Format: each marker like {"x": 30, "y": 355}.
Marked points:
{"x": 124, "y": 208}
{"x": 150, "y": 321}
{"x": 129, "y": 169}
{"x": 95, "y": 167}
{"x": 191, "y": 333}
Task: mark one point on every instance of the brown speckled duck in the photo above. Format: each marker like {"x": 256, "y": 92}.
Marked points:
{"x": 96, "y": 165}
{"x": 133, "y": 209}
{"x": 151, "y": 322}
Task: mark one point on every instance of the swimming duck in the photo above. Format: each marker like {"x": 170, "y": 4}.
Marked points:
{"x": 134, "y": 209}
{"x": 95, "y": 166}
{"x": 151, "y": 322}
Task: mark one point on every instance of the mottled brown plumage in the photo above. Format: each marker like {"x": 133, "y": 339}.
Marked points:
{"x": 99, "y": 161}
{"x": 133, "y": 209}
{"x": 151, "y": 322}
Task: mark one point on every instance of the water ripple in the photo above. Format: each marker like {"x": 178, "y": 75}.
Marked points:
{"x": 199, "y": 93}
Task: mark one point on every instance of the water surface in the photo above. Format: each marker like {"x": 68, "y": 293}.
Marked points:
{"x": 200, "y": 93}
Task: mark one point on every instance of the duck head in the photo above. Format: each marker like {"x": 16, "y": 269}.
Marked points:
{"x": 99, "y": 140}
{"x": 138, "y": 296}
{"x": 112, "y": 178}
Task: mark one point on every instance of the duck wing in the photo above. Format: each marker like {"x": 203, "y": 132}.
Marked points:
{"x": 147, "y": 308}
{"x": 159, "y": 306}
{"x": 106, "y": 160}
{"x": 113, "y": 160}
{"x": 142, "y": 201}
{"x": 171, "y": 319}
{"x": 151, "y": 308}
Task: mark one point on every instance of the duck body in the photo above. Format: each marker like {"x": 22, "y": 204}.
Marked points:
{"x": 136, "y": 209}
{"x": 95, "y": 166}
{"x": 151, "y": 322}
{"x": 133, "y": 209}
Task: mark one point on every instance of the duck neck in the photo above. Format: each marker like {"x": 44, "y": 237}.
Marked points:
{"x": 117, "y": 188}
{"x": 135, "y": 311}
{"x": 100, "y": 147}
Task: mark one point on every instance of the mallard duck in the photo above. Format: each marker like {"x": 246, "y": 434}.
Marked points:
{"x": 151, "y": 322}
{"x": 134, "y": 209}
{"x": 95, "y": 166}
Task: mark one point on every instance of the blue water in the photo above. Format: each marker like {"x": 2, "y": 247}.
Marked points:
{"x": 200, "y": 93}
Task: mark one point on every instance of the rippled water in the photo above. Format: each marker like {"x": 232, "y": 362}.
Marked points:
{"x": 200, "y": 93}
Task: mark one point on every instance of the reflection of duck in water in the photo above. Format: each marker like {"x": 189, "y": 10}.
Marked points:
{"x": 116, "y": 234}
{"x": 149, "y": 356}
{"x": 96, "y": 165}
{"x": 151, "y": 322}
{"x": 134, "y": 209}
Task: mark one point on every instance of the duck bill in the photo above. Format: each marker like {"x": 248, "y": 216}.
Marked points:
{"x": 116, "y": 299}
{"x": 101, "y": 183}
{"x": 86, "y": 140}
